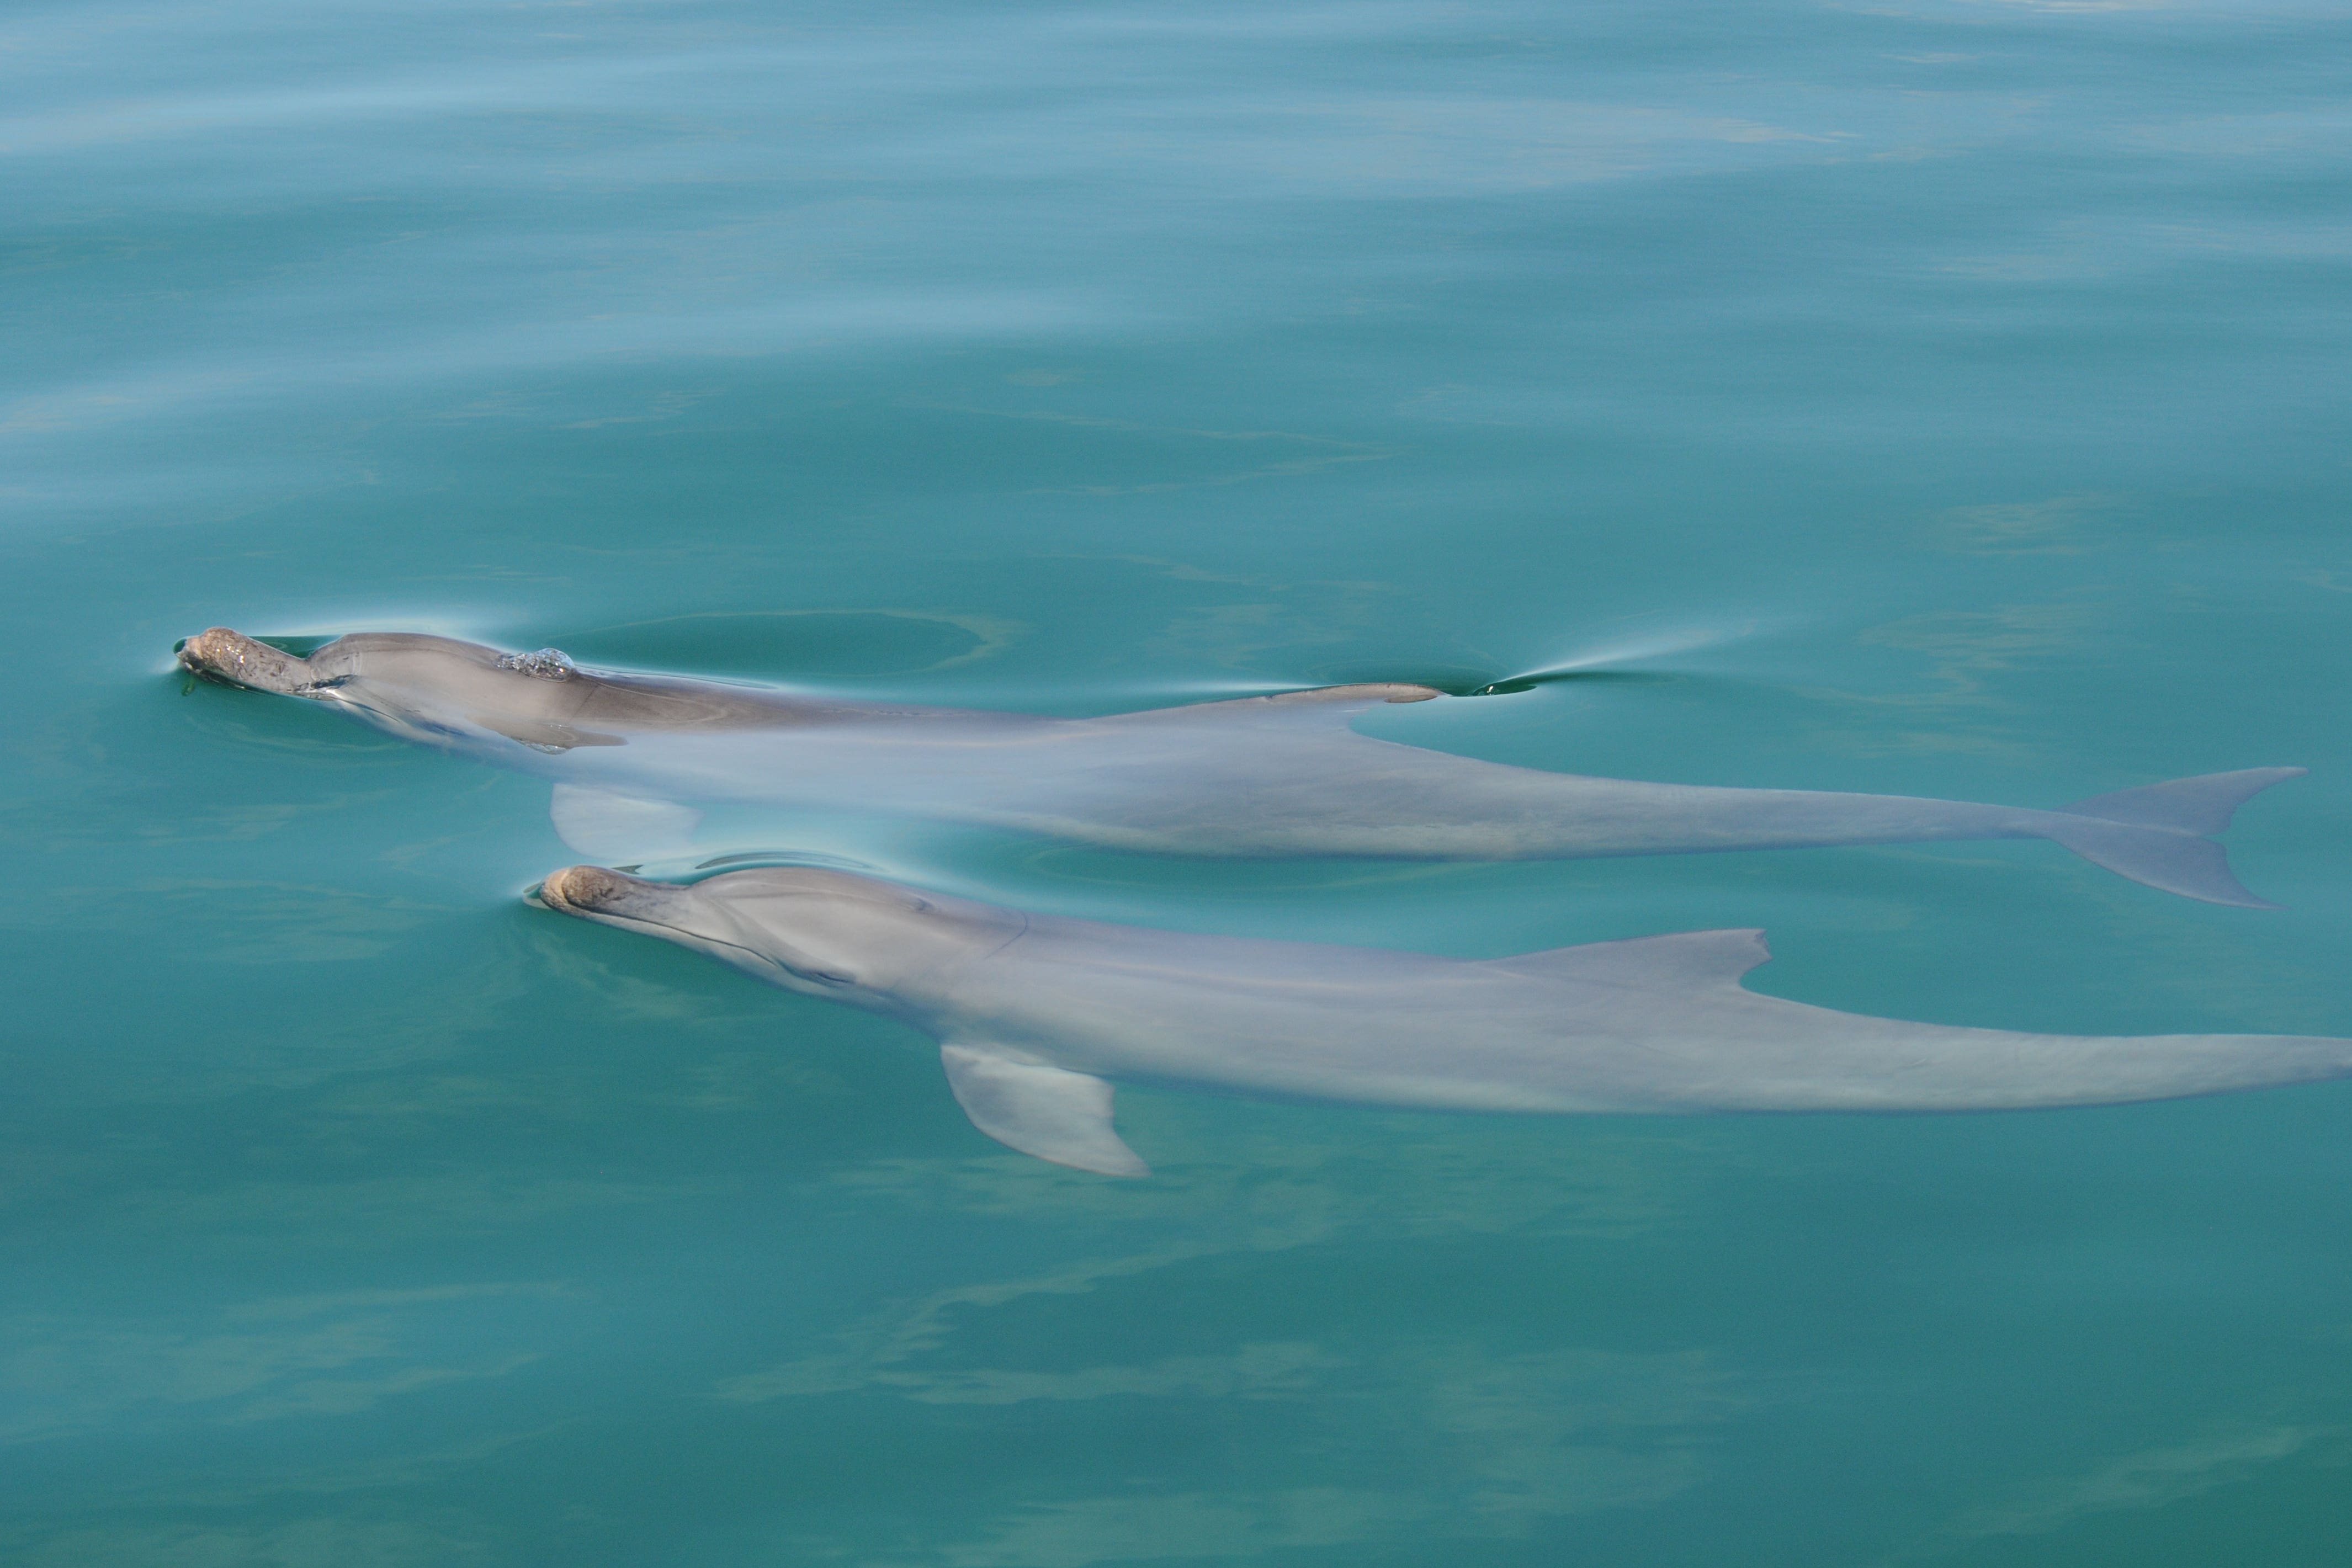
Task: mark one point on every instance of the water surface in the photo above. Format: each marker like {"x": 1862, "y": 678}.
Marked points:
{"x": 1948, "y": 397}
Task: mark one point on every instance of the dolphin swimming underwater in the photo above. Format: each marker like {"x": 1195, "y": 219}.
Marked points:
{"x": 633, "y": 755}
{"x": 1037, "y": 1016}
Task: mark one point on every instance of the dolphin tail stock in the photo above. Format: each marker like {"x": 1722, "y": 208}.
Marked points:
{"x": 2159, "y": 835}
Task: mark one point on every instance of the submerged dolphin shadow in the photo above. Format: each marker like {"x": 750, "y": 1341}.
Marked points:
{"x": 633, "y": 756}
{"x": 1037, "y": 1016}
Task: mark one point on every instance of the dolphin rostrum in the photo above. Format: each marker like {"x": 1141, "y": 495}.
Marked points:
{"x": 1037, "y": 1016}
{"x": 633, "y": 756}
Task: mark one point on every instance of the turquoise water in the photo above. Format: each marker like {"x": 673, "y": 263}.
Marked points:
{"x": 1929, "y": 398}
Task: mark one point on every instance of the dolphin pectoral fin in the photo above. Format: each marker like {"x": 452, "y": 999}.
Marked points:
{"x": 1681, "y": 959}
{"x": 1058, "y": 1117}
{"x": 608, "y": 827}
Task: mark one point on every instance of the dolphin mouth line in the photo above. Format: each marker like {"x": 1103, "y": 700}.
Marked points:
{"x": 643, "y": 925}
{"x": 564, "y": 906}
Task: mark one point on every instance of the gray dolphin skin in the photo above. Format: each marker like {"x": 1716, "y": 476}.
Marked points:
{"x": 1037, "y": 1016}
{"x": 634, "y": 757}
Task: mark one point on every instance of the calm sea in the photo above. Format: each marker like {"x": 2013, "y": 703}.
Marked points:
{"x": 1924, "y": 397}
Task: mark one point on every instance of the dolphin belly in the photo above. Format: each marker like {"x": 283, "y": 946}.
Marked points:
{"x": 1656, "y": 1025}
{"x": 1341, "y": 794}
{"x": 1751, "y": 1052}
{"x": 1424, "y": 805}
{"x": 1683, "y": 1056}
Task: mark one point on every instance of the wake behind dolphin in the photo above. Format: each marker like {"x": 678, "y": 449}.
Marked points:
{"x": 634, "y": 756}
{"x": 1037, "y": 1016}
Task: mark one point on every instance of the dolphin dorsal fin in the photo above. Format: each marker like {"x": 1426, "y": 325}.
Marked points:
{"x": 1683, "y": 959}
{"x": 1324, "y": 706}
{"x": 1054, "y": 1114}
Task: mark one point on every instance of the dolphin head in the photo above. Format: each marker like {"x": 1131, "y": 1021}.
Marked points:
{"x": 433, "y": 689}
{"x": 822, "y": 933}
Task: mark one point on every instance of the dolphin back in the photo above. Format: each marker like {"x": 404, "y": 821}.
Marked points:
{"x": 1663, "y": 1024}
{"x": 1815, "y": 1059}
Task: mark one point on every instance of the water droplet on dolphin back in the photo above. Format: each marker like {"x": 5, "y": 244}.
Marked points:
{"x": 548, "y": 663}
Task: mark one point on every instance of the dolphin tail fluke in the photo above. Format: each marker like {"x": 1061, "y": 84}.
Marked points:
{"x": 2156, "y": 835}
{"x": 2202, "y": 805}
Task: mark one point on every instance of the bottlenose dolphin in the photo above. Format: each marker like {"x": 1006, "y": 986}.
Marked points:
{"x": 633, "y": 756}
{"x": 1037, "y": 1016}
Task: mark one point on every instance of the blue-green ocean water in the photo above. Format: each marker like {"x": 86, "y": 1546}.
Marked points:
{"x": 1952, "y": 397}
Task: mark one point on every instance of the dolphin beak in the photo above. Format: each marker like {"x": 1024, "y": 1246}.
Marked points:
{"x": 599, "y": 894}
{"x": 234, "y": 659}
{"x": 678, "y": 914}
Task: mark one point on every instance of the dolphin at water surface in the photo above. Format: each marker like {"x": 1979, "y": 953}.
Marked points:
{"x": 1037, "y": 1016}
{"x": 633, "y": 756}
